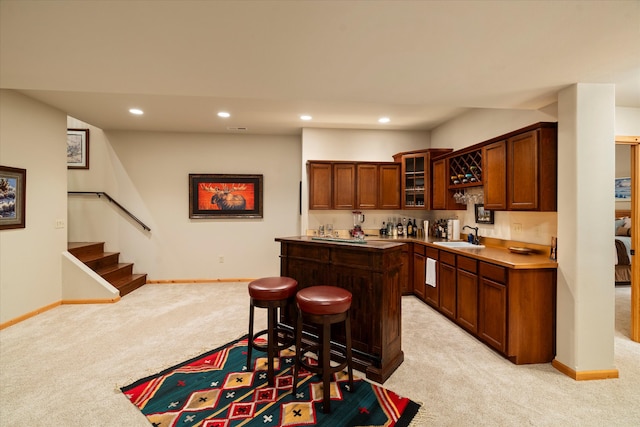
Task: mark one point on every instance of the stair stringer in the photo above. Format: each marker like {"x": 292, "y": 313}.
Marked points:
{"x": 80, "y": 284}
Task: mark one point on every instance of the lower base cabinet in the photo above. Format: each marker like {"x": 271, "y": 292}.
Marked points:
{"x": 419, "y": 272}
{"x": 432, "y": 293}
{"x": 447, "y": 284}
{"x": 510, "y": 310}
{"x": 467, "y": 294}
{"x": 493, "y": 306}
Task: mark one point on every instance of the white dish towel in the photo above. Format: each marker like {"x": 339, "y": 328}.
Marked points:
{"x": 430, "y": 273}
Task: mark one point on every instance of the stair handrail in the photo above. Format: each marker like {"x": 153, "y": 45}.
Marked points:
{"x": 111, "y": 199}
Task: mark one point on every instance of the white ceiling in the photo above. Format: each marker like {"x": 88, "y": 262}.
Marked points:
{"x": 346, "y": 63}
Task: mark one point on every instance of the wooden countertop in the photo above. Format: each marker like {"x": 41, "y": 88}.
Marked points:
{"x": 494, "y": 254}
{"x": 369, "y": 243}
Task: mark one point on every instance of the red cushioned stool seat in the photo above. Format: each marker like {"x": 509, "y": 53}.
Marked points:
{"x": 274, "y": 294}
{"x": 323, "y": 306}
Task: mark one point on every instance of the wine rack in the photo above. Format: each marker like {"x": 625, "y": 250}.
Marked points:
{"x": 465, "y": 170}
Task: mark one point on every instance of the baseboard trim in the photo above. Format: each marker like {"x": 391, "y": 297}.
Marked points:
{"x": 585, "y": 375}
{"x": 54, "y": 305}
{"x": 177, "y": 281}
{"x": 91, "y": 301}
{"x": 29, "y": 315}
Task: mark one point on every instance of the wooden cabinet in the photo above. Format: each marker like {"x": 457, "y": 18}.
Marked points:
{"x": 354, "y": 185}
{"x": 344, "y": 185}
{"x": 372, "y": 275}
{"x": 510, "y": 310}
{"x": 467, "y": 293}
{"x": 320, "y": 185}
{"x": 447, "y": 284}
{"x": 493, "y": 306}
{"x": 367, "y": 186}
{"x": 517, "y": 170}
{"x": 406, "y": 270}
{"x": 419, "y": 263}
{"x": 521, "y": 170}
{"x": 494, "y": 157}
{"x": 441, "y": 197}
{"x": 389, "y": 186}
{"x": 532, "y": 170}
{"x": 416, "y": 177}
{"x": 432, "y": 293}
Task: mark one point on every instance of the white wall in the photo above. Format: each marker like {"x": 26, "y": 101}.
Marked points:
{"x": 33, "y": 137}
{"x": 627, "y": 121}
{"x": 148, "y": 172}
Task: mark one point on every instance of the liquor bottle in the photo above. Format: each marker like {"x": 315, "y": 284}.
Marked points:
{"x": 409, "y": 229}
{"x": 415, "y": 228}
{"x": 400, "y": 228}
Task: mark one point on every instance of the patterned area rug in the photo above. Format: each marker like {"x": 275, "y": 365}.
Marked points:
{"x": 216, "y": 390}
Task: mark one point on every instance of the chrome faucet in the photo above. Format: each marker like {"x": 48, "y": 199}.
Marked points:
{"x": 476, "y": 239}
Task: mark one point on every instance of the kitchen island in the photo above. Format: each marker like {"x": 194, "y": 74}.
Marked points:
{"x": 371, "y": 271}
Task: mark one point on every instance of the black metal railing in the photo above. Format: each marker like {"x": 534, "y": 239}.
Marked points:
{"x": 109, "y": 198}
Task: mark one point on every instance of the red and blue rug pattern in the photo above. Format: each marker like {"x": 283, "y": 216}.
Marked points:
{"x": 216, "y": 389}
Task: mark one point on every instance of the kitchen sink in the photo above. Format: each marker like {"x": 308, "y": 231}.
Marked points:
{"x": 459, "y": 245}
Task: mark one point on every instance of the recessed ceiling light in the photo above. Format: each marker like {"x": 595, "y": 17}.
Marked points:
{"x": 224, "y": 114}
{"x": 136, "y": 111}
{"x": 384, "y": 120}
{"x": 305, "y": 117}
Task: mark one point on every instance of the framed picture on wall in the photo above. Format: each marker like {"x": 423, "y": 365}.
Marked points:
{"x": 225, "y": 196}
{"x": 77, "y": 148}
{"x": 13, "y": 194}
{"x": 623, "y": 189}
{"x": 483, "y": 216}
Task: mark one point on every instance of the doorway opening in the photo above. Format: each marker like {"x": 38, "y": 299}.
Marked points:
{"x": 634, "y": 154}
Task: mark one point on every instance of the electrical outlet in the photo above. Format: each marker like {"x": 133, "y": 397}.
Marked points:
{"x": 517, "y": 228}
{"x": 221, "y": 259}
{"x": 59, "y": 223}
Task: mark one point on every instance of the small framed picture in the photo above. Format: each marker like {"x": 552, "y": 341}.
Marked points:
{"x": 483, "y": 216}
{"x": 225, "y": 196}
{"x": 13, "y": 182}
{"x": 77, "y": 148}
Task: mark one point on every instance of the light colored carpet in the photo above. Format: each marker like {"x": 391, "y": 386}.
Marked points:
{"x": 64, "y": 367}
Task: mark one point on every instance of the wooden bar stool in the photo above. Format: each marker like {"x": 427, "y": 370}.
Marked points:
{"x": 272, "y": 293}
{"x": 323, "y": 306}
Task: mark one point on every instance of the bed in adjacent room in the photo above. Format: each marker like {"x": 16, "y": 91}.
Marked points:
{"x": 623, "y": 248}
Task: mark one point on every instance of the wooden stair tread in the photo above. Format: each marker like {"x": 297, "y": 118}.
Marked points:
{"x": 107, "y": 265}
{"x": 95, "y": 256}
{"x": 127, "y": 279}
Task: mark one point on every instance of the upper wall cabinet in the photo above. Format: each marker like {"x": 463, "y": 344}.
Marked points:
{"x": 532, "y": 163}
{"x": 521, "y": 170}
{"x": 442, "y": 198}
{"x": 416, "y": 177}
{"x": 389, "y": 187}
{"x": 344, "y": 185}
{"x": 518, "y": 171}
{"x": 495, "y": 172}
{"x": 353, "y": 185}
{"x": 320, "y": 185}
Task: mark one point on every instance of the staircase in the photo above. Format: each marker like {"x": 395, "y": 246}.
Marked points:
{"x": 106, "y": 264}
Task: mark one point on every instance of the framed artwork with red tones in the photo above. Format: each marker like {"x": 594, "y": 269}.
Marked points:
{"x": 225, "y": 196}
